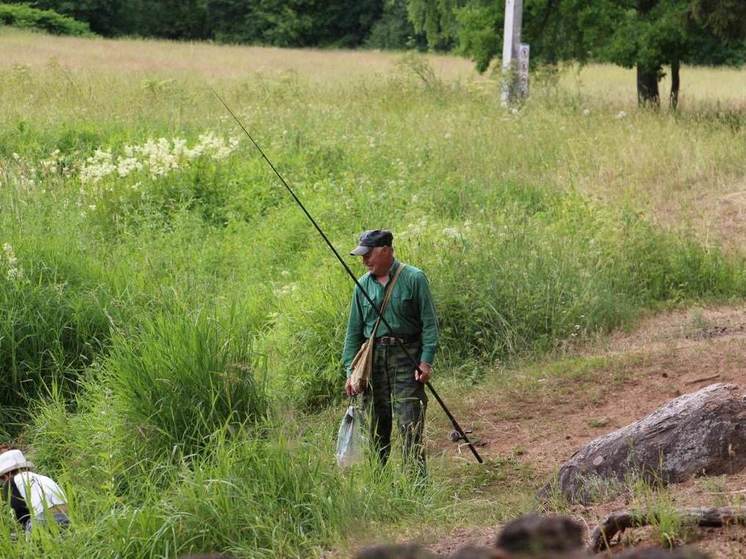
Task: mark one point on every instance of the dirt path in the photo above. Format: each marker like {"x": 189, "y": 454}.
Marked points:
{"x": 631, "y": 374}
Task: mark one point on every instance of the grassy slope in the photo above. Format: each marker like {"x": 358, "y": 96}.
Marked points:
{"x": 535, "y": 228}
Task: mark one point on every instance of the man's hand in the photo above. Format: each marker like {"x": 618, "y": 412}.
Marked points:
{"x": 349, "y": 389}
{"x": 427, "y": 371}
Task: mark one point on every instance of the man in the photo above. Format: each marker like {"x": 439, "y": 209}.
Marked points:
{"x": 397, "y": 388}
{"x": 34, "y": 498}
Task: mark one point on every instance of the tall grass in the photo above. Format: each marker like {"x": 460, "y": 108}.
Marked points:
{"x": 250, "y": 497}
{"x": 180, "y": 380}
{"x": 53, "y": 322}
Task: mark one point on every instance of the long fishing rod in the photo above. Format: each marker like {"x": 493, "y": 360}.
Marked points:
{"x": 455, "y": 424}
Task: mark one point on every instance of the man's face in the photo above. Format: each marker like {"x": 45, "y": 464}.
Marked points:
{"x": 378, "y": 260}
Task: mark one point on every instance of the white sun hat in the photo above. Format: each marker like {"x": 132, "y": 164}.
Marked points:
{"x": 13, "y": 460}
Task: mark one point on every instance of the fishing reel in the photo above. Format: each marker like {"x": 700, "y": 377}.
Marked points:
{"x": 455, "y": 436}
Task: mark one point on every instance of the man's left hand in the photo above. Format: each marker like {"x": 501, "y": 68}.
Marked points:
{"x": 424, "y": 376}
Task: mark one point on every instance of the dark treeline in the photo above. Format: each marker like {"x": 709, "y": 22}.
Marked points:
{"x": 618, "y": 31}
{"x": 648, "y": 35}
{"x": 286, "y": 23}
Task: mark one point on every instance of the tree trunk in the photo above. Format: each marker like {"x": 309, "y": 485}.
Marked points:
{"x": 675, "y": 84}
{"x": 647, "y": 88}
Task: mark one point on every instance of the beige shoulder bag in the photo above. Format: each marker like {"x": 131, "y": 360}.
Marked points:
{"x": 362, "y": 364}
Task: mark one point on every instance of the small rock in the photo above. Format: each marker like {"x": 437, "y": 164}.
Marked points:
{"x": 535, "y": 534}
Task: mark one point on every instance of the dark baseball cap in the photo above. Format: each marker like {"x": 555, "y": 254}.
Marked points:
{"x": 370, "y": 239}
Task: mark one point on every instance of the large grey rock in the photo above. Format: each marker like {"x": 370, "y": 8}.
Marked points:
{"x": 702, "y": 432}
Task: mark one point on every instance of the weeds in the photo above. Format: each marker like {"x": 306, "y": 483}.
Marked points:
{"x": 656, "y": 503}
{"x": 181, "y": 380}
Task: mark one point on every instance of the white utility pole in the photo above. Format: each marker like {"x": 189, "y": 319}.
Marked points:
{"x": 515, "y": 55}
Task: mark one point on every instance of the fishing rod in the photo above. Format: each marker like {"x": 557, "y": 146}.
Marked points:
{"x": 414, "y": 362}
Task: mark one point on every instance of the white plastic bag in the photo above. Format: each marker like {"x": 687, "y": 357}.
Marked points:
{"x": 351, "y": 438}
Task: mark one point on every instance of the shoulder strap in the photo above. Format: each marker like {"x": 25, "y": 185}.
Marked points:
{"x": 387, "y": 298}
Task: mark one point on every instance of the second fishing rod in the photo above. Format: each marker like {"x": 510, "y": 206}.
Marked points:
{"x": 413, "y": 361}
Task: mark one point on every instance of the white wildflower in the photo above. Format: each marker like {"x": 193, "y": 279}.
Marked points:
{"x": 586, "y": 112}
{"x": 13, "y": 270}
{"x": 452, "y": 232}
{"x": 620, "y": 115}
{"x": 127, "y": 165}
{"x": 98, "y": 166}
{"x": 158, "y": 157}
{"x": 52, "y": 162}
{"x": 214, "y": 145}
{"x": 180, "y": 148}
{"x": 285, "y": 290}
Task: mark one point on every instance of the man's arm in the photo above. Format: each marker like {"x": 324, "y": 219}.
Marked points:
{"x": 428, "y": 319}
{"x": 354, "y": 337}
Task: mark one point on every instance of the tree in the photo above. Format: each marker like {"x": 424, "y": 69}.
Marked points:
{"x": 668, "y": 32}
{"x": 643, "y": 34}
{"x": 105, "y": 17}
{"x": 393, "y": 30}
{"x": 436, "y": 19}
{"x": 173, "y": 19}
{"x": 293, "y": 23}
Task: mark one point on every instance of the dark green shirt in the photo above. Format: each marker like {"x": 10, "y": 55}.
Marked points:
{"x": 410, "y": 312}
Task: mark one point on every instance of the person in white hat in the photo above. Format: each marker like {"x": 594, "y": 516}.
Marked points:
{"x": 34, "y": 498}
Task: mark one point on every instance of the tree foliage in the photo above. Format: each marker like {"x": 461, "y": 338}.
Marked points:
{"x": 436, "y": 19}
{"x": 626, "y": 32}
{"x": 394, "y": 30}
{"x": 273, "y": 22}
{"x": 643, "y": 34}
{"x": 107, "y": 17}
{"x": 27, "y": 17}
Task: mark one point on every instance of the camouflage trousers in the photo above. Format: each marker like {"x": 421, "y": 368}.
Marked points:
{"x": 394, "y": 394}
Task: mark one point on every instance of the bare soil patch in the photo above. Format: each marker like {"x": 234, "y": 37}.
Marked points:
{"x": 630, "y": 375}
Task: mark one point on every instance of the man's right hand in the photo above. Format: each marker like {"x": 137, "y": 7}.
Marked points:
{"x": 349, "y": 388}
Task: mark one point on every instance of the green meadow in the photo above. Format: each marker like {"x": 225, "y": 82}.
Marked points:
{"x": 171, "y": 325}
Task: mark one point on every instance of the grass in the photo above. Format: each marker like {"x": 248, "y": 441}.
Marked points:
{"x": 656, "y": 503}
{"x": 174, "y": 336}
{"x": 699, "y": 86}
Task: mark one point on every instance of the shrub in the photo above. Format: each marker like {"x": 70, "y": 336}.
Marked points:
{"x": 26, "y": 17}
{"x": 181, "y": 378}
